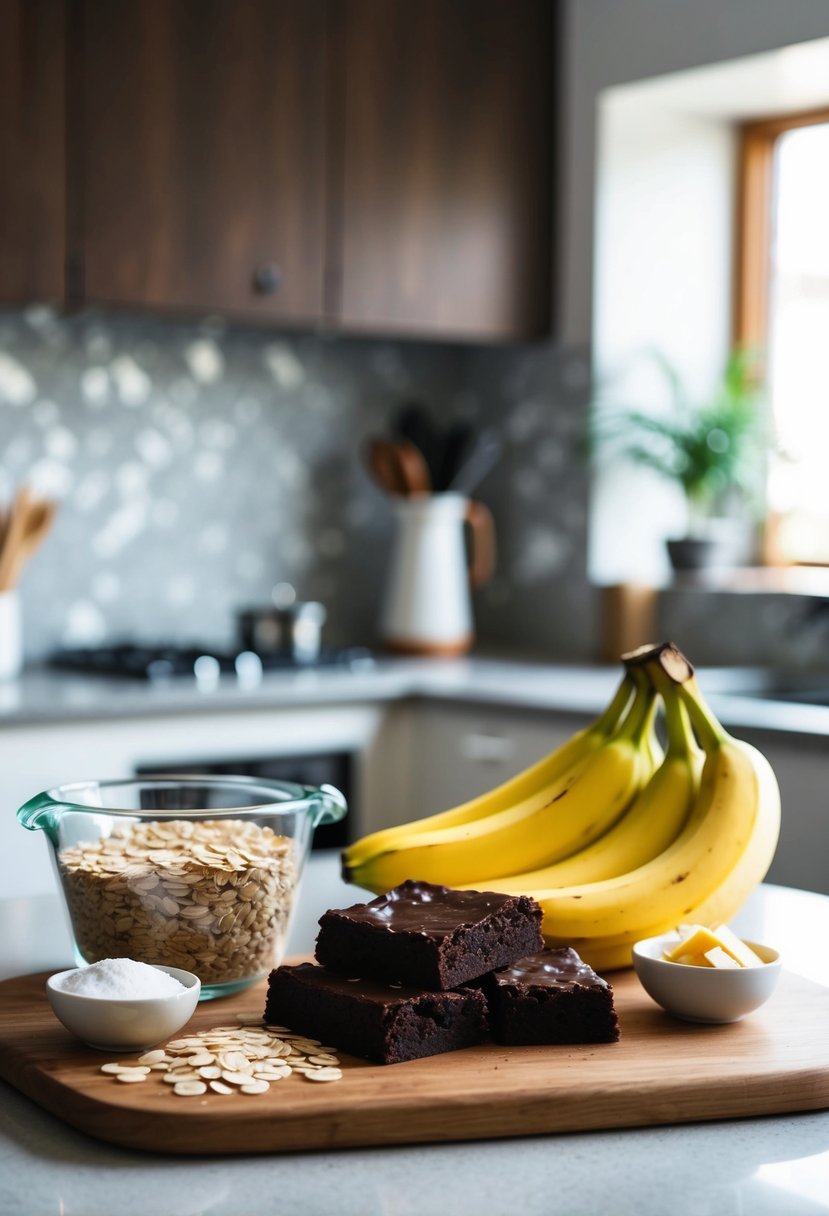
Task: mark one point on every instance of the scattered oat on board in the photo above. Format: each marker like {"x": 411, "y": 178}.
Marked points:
{"x": 231, "y": 1059}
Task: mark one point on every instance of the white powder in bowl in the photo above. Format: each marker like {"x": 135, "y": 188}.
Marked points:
{"x": 122, "y": 978}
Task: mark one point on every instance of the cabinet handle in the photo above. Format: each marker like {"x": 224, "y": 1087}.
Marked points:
{"x": 487, "y": 749}
{"x": 266, "y": 278}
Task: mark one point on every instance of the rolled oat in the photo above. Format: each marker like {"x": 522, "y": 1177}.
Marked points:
{"x": 209, "y": 896}
{"x": 253, "y": 1078}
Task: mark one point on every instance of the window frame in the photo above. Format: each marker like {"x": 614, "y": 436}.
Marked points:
{"x": 755, "y": 202}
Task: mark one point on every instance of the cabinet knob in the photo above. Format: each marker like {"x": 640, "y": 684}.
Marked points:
{"x": 266, "y": 278}
{"x": 487, "y": 748}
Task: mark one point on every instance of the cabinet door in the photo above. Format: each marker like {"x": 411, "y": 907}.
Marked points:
{"x": 441, "y": 755}
{"x": 801, "y": 765}
{"x": 203, "y": 138}
{"x": 32, "y": 136}
{"x": 446, "y": 112}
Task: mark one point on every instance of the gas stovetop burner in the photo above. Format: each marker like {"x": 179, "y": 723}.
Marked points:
{"x": 205, "y": 663}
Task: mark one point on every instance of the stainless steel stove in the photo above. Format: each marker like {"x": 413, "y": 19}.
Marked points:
{"x": 204, "y": 663}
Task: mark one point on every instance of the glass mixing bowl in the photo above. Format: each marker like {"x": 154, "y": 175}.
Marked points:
{"x": 199, "y": 873}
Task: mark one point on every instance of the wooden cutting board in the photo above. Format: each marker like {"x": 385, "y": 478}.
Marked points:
{"x": 662, "y": 1071}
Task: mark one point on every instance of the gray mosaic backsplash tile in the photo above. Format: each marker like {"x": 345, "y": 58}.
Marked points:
{"x": 539, "y": 597}
{"x": 199, "y": 465}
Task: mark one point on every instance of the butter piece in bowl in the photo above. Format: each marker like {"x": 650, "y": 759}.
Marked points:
{"x": 705, "y": 993}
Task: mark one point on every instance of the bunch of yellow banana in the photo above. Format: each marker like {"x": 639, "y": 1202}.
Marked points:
{"x": 552, "y": 810}
{"x": 706, "y": 873}
{"x": 614, "y": 841}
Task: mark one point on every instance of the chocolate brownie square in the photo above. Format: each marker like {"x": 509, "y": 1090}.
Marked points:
{"x": 380, "y": 1022}
{"x": 550, "y": 997}
{"x": 429, "y": 936}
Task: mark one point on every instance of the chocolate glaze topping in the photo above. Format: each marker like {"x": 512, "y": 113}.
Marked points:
{"x": 553, "y": 967}
{"x": 427, "y": 909}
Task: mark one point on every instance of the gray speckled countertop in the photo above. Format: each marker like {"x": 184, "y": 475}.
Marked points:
{"x": 42, "y": 695}
{"x": 774, "y": 1166}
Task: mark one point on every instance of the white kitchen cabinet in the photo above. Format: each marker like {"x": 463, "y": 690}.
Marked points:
{"x": 801, "y": 765}
{"x": 442, "y": 754}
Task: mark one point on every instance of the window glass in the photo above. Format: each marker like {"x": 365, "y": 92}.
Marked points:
{"x": 799, "y": 343}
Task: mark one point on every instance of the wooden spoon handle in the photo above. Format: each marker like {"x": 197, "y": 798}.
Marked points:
{"x": 414, "y": 471}
{"x": 384, "y": 467}
{"x": 29, "y": 522}
{"x": 40, "y": 525}
{"x": 13, "y": 540}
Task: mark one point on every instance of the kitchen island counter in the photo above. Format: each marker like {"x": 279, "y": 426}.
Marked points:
{"x": 775, "y": 1166}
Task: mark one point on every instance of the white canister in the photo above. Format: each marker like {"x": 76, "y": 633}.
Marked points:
{"x": 11, "y": 635}
{"x": 428, "y": 608}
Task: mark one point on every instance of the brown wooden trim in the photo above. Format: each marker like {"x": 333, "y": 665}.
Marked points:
{"x": 409, "y": 646}
{"x": 753, "y": 235}
{"x": 753, "y": 267}
{"x": 778, "y": 124}
{"x": 754, "y": 207}
{"x": 754, "y": 217}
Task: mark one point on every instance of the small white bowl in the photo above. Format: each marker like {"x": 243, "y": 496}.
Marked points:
{"x": 704, "y": 994}
{"x": 119, "y": 1023}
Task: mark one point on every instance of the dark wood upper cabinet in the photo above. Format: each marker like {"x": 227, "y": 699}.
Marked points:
{"x": 368, "y": 166}
{"x": 446, "y": 166}
{"x": 202, "y": 134}
{"x": 32, "y": 144}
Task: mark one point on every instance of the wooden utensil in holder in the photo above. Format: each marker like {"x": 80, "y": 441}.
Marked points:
{"x": 23, "y": 529}
{"x": 398, "y": 467}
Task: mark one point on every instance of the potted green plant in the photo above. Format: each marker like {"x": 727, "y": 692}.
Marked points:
{"x": 713, "y": 450}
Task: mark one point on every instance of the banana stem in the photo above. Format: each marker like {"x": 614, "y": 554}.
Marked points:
{"x": 712, "y": 734}
{"x": 676, "y": 682}
{"x": 681, "y": 740}
{"x": 608, "y": 720}
{"x": 640, "y": 717}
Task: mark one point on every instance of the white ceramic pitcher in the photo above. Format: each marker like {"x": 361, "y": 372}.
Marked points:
{"x": 428, "y": 607}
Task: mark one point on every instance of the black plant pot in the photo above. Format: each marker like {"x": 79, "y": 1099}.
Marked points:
{"x": 694, "y": 553}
